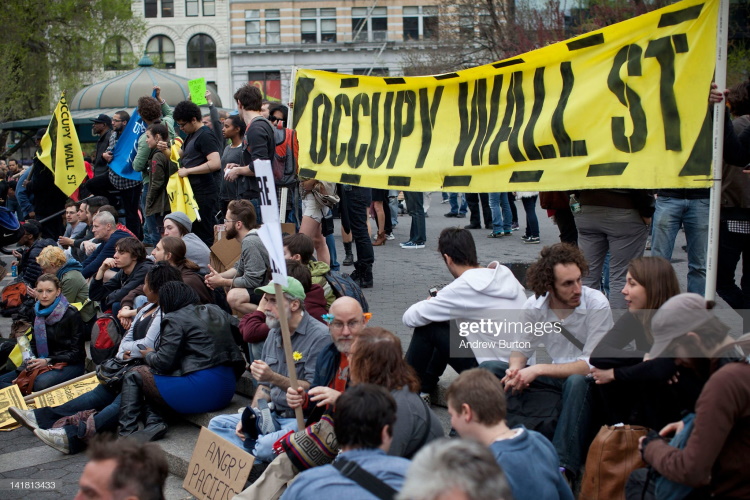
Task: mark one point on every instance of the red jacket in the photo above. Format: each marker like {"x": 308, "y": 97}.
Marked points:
{"x": 253, "y": 326}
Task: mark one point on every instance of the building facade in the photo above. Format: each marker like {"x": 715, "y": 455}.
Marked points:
{"x": 269, "y": 39}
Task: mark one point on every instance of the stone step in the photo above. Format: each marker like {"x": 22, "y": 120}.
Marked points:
{"x": 178, "y": 445}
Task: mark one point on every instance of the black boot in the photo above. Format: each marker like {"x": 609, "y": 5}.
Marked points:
{"x": 131, "y": 403}
{"x": 155, "y": 428}
{"x": 364, "y": 279}
{"x": 349, "y": 259}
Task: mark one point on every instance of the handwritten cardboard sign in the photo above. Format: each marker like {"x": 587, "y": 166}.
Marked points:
{"x": 218, "y": 469}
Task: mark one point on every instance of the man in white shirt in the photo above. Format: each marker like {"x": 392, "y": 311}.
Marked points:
{"x": 473, "y": 296}
{"x": 579, "y": 317}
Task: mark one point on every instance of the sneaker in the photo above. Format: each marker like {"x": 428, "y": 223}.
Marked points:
{"x": 525, "y": 237}
{"x": 405, "y": 243}
{"x": 443, "y": 202}
{"x": 390, "y": 237}
{"x": 263, "y": 418}
{"x": 425, "y": 397}
{"x": 498, "y": 235}
{"x": 514, "y": 226}
{"x": 410, "y": 244}
{"x": 55, "y": 438}
{"x": 532, "y": 240}
{"x": 24, "y": 417}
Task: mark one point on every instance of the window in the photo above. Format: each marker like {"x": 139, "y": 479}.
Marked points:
{"x": 118, "y": 54}
{"x": 273, "y": 27}
{"x": 371, "y": 71}
{"x": 209, "y": 7}
{"x": 252, "y": 27}
{"x": 191, "y": 8}
{"x": 318, "y": 25}
{"x": 269, "y": 83}
{"x": 466, "y": 24}
{"x": 161, "y": 50}
{"x": 151, "y": 8}
{"x": 420, "y": 23}
{"x": 201, "y": 52}
{"x": 373, "y": 28}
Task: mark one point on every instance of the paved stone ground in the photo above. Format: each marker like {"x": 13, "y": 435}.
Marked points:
{"x": 402, "y": 277}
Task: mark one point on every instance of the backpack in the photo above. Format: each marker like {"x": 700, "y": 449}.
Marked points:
{"x": 343, "y": 285}
{"x": 284, "y": 161}
{"x": 105, "y": 338}
{"x": 13, "y": 295}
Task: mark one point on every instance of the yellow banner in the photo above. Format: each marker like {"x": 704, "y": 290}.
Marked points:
{"x": 68, "y": 392}
{"x": 10, "y": 396}
{"x": 625, "y": 106}
{"x": 61, "y": 151}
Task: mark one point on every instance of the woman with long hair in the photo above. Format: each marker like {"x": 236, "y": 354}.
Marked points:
{"x": 193, "y": 367}
{"x": 57, "y": 338}
{"x": 634, "y": 389}
{"x": 233, "y": 130}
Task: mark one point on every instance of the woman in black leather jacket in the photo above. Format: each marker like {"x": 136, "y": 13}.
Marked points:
{"x": 57, "y": 339}
{"x": 194, "y": 368}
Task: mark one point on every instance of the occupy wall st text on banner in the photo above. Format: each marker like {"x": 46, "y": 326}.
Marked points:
{"x": 625, "y": 106}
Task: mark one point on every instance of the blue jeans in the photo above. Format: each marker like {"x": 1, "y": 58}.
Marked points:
{"x": 107, "y": 404}
{"x": 393, "y": 205}
{"x": 532, "y": 223}
{"x": 453, "y": 200}
{"x": 262, "y": 448}
{"x": 693, "y": 214}
{"x": 45, "y": 380}
{"x": 415, "y": 207}
{"x": 502, "y": 217}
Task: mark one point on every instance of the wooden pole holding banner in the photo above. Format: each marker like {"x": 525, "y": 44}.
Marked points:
{"x": 292, "y": 88}
{"x": 286, "y": 341}
{"x": 720, "y": 77}
{"x": 30, "y": 397}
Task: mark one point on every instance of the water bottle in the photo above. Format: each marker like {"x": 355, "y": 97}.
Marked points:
{"x": 25, "y": 346}
{"x": 575, "y": 205}
{"x": 14, "y": 271}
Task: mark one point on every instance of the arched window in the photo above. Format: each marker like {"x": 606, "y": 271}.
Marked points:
{"x": 201, "y": 52}
{"x": 118, "y": 53}
{"x": 161, "y": 51}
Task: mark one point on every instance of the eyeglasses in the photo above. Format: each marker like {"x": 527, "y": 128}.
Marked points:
{"x": 273, "y": 118}
{"x": 115, "y": 120}
{"x": 182, "y": 125}
{"x": 230, "y": 220}
{"x": 338, "y": 326}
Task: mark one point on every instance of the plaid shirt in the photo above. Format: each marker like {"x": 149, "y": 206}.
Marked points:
{"x": 120, "y": 183}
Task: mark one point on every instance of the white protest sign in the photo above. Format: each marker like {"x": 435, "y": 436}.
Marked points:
{"x": 270, "y": 232}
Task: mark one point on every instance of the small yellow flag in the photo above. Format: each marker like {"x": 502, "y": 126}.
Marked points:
{"x": 61, "y": 151}
{"x": 180, "y": 192}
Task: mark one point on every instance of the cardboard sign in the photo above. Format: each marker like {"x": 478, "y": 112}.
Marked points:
{"x": 68, "y": 392}
{"x": 218, "y": 469}
{"x": 270, "y": 232}
{"x": 10, "y": 396}
{"x": 197, "y": 89}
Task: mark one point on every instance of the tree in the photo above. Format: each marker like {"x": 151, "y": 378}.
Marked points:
{"x": 51, "y": 45}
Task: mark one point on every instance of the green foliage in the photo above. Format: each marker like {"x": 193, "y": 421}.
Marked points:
{"x": 738, "y": 63}
{"x": 51, "y": 45}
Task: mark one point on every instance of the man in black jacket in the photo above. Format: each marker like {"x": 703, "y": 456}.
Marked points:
{"x": 130, "y": 259}
{"x": 28, "y": 268}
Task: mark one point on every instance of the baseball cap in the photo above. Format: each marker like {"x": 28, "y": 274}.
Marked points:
{"x": 678, "y": 316}
{"x": 102, "y": 118}
{"x": 293, "y": 287}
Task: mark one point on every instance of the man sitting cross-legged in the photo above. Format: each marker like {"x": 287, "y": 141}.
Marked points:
{"x": 572, "y": 319}
{"x": 269, "y": 417}
{"x": 476, "y": 403}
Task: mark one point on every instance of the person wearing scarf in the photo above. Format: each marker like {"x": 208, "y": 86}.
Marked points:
{"x": 57, "y": 338}
{"x": 74, "y": 286}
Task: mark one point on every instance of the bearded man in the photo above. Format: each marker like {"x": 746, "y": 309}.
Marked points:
{"x": 269, "y": 416}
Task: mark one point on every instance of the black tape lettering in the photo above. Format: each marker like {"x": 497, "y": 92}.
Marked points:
{"x": 630, "y": 54}
{"x": 372, "y": 161}
{"x": 427, "y": 114}
{"x": 699, "y": 161}
{"x": 338, "y": 154}
{"x": 403, "y": 128}
{"x": 466, "y": 133}
{"x": 319, "y": 156}
{"x": 564, "y": 144}
{"x": 354, "y": 159}
{"x": 664, "y": 52}
{"x": 504, "y": 132}
{"x": 528, "y": 135}
{"x": 301, "y": 95}
{"x": 497, "y": 87}
{"x": 480, "y": 92}
{"x": 520, "y": 104}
